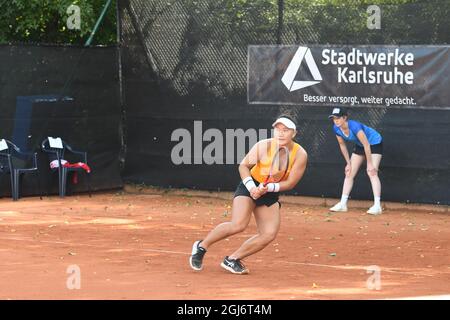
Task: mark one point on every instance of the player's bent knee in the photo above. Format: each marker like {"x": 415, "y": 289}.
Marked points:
{"x": 269, "y": 236}
{"x": 236, "y": 228}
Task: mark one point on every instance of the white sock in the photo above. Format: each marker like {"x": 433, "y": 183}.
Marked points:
{"x": 377, "y": 201}
{"x": 344, "y": 199}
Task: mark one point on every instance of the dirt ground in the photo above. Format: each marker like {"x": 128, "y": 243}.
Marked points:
{"x": 137, "y": 246}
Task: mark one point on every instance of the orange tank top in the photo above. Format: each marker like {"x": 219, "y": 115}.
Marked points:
{"x": 260, "y": 171}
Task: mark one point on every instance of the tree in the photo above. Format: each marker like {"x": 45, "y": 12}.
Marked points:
{"x": 45, "y": 21}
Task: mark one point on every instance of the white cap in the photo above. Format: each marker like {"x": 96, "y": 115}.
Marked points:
{"x": 288, "y": 123}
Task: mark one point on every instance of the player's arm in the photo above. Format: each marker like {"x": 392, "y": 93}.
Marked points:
{"x": 297, "y": 171}
{"x": 344, "y": 149}
{"x": 345, "y": 154}
{"x": 249, "y": 161}
{"x": 363, "y": 139}
{"x": 251, "y": 158}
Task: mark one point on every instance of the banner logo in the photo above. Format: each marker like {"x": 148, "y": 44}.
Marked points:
{"x": 294, "y": 66}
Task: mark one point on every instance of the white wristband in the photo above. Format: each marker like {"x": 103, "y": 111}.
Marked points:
{"x": 273, "y": 187}
{"x": 249, "y": 183}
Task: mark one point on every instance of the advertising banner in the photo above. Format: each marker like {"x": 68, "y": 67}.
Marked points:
{"x": 366, "y": 76}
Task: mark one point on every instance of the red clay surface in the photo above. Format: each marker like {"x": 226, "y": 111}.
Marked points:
{"x": 136, "y": 246}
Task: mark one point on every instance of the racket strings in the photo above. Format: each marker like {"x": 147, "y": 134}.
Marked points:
{"x": 280, "y": 164}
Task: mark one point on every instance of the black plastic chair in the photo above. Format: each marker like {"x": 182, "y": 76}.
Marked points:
{"x": 59, "y": 154}
{"x": 16, "y": 162}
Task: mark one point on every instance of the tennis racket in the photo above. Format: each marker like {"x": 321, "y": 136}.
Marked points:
{"x": 279, "y": 166}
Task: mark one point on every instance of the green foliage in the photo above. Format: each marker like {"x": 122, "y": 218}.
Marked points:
{"x": 240, "y": 22}
{"x": 45, "y": 21}
{"x": 338, "y": 21}
{"x": 321, "y": 21}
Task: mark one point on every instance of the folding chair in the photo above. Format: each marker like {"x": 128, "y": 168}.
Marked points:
{"x": 56, "y": 149}
{"x": 16, "y": 162}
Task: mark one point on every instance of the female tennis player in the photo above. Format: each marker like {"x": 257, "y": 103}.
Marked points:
{"x": 368, "y": 145}
{"x": 272, "y": 166}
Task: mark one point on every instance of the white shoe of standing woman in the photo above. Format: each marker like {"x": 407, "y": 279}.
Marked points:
{"x": 339, "y": 207}
{"x": 375, "y": 210}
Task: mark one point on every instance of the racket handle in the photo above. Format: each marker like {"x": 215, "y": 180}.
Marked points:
{"x": 271, "y": 187}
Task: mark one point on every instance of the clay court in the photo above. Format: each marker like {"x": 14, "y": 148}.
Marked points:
{"x": 135, "y": 244}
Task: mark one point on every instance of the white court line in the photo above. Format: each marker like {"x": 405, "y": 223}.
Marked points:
{"x": 165, "y": 251}
{"x": 355, "y": 267}
{"x": 325, "y": 265}
{"x": 438, "y": 297}
{"x": 431, "y": 297}
{"x": 93, "y": 245}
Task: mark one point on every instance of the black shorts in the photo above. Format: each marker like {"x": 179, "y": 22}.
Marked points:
{"x": 268, "y": 199}
{"x": 375, "y": 149}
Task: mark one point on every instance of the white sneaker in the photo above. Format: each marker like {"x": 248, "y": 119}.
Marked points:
{"x": 339, "y": 207}
{"x": 375, "y": 210}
